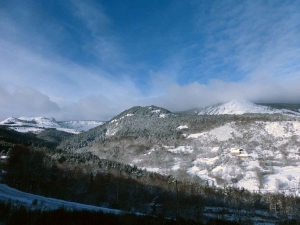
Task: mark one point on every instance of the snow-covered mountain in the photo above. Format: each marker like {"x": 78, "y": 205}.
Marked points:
{"x": 198, "y": 146}
{"x": 38, "y": 124}
{"x": 241, "y": 107}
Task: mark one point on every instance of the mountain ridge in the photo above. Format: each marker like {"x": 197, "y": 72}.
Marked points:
{"x": 191, "y": 145}
{"x": 238, "y": 107}
{"x": 38, "y": 124}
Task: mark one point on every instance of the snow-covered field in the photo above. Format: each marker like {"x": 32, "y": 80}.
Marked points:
{"x": 44, "y": 203}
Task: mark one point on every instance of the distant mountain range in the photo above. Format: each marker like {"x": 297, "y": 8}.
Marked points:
{"x": 235, "y": 107}
{"x": 38, "y": 124}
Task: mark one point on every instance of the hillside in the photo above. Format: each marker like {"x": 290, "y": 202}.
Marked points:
{"x": 198, "y": 146}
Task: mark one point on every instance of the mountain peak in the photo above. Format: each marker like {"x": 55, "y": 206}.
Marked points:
{"x": 145, "y": 111}
{"x": 239, "y": 107}
{"x": 9, "y": 120}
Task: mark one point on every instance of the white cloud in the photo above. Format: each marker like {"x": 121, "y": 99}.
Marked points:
{"x": 26, "y": 101}
{"x": 260, "y": 89}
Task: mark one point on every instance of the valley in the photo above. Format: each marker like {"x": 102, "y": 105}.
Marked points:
{"x": 156, "y": 152}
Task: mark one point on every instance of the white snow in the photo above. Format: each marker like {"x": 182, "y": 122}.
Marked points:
{"x": 215, "y": 149}
{"x": 222, "y": 133}
{"x": 151, "y": 150}
{"x": 176, "y": 166}
{"x": 207, "y": 161}
{"x": 249, "y": 181}
{"x": 283, "y": 129}
{"x": 152, "y": 169}
{"x": 111, "y": 132}
{"x": 203, "y": 174}
{"x": 283, "y": 178}
{"x": 163, "y": 115}
{"x": 10, "y": 120}
{"x": 272, "y": 147}
{"x": 69, "y": 130}
{"x": 80, "y": 125}
{"x": 181, "y": 149}
{"x": 116, "y": 120}
{"x": 27, "y": 129}
{"x": 197, "y": 135}
{"x": 182, "y": 127}
{"x": 8, "y": 193}
{"x": 156, "y": 111}
{"x": 226, "y": 172}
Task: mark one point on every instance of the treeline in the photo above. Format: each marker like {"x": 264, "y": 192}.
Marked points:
{"x": 15, "y": 215}
{"x": 87, "y": 179}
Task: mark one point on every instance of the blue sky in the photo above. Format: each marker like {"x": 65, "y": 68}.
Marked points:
{"x": 93, "y": 59}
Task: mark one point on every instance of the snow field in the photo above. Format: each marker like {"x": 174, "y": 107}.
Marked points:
{"x": 44, "y": 203}
{"x": 182, "y": 127}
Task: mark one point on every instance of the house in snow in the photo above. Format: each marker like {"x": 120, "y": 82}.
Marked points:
{"x": 238, "y": 152}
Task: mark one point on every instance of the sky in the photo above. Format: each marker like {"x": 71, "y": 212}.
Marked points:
{"x": 91, "y": 59}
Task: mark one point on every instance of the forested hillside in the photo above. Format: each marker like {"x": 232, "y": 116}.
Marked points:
{"x": 195, "y": 147}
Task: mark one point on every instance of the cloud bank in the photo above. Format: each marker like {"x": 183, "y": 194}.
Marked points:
{"x": 26, "y": 101}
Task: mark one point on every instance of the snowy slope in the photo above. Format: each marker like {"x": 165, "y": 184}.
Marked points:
{"x": 241, "y": 107}
{"x": 38, "y": 124}
{"x": 11, "y": 194}
{"x": 43, "y": 203}
{"x": 272, "y": 146}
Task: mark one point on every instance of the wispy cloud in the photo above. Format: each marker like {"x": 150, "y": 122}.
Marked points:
{"x": 249, "y": 37}
{"x": 102, "y": 41}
